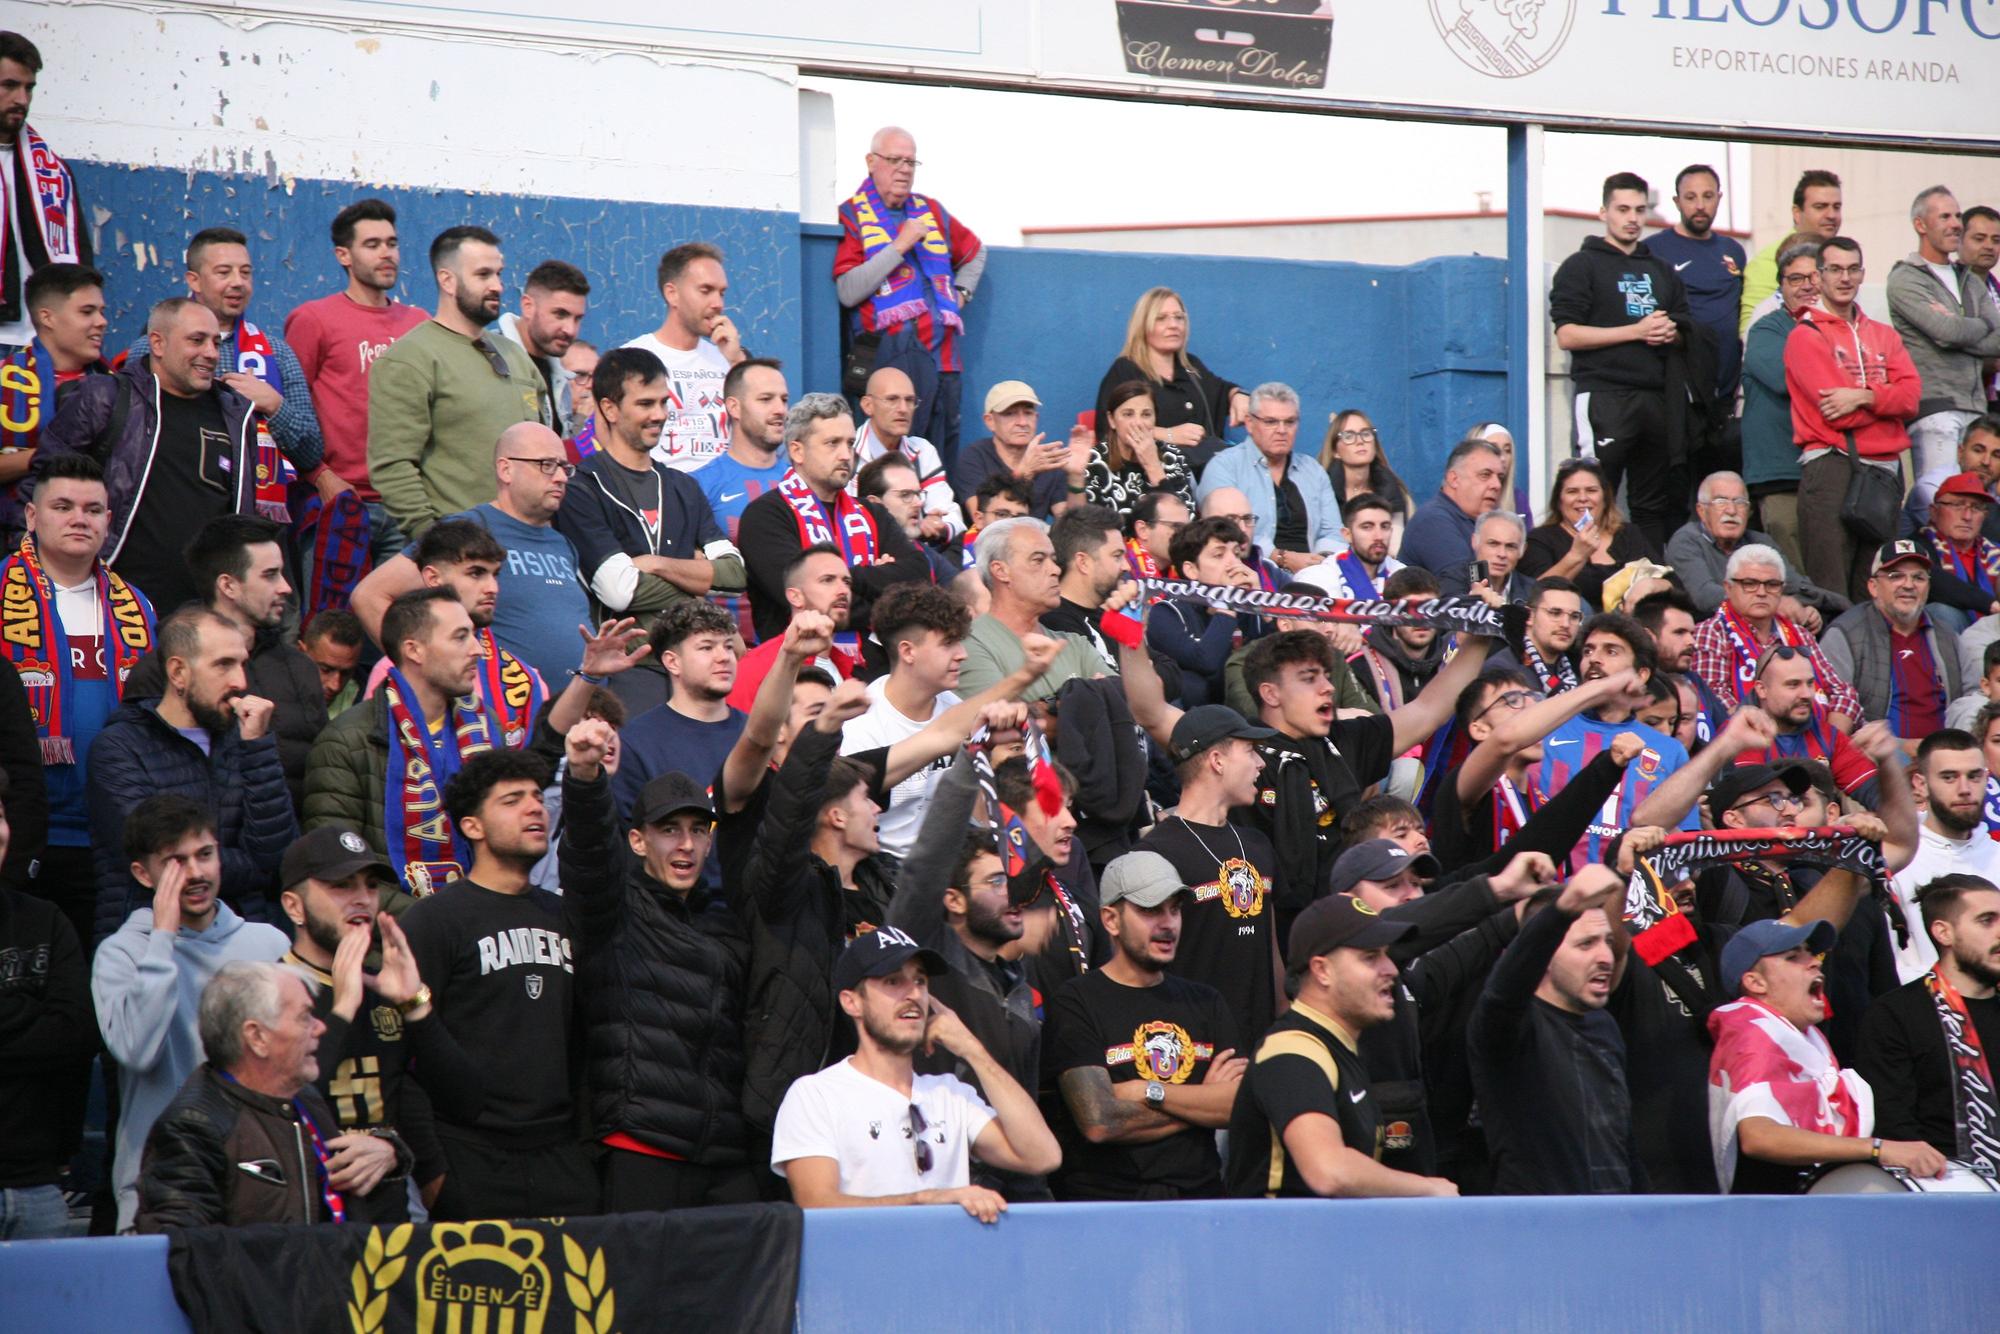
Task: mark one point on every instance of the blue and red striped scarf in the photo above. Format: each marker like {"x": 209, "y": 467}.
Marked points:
{"x": 32, "y": 637}
{"x": 851, "y": 528}
{"x": 425, "y": 848}
{"x": 510, "y": 688}
{"x": 909, "y": 289}
{"x": 1979, "y": 567}
{"x": 275, "y": 473}
{"x": 339, "y": 535}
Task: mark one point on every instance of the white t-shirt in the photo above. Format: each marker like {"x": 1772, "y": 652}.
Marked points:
{"x": 1328, "y": 577}
{"x": 697, "y": 426}
{"x": 884, "y": 725}
{"x": 1946, "y": 278}
{"x": 864, "y": 1125}
{"x": 1936, "y": 855}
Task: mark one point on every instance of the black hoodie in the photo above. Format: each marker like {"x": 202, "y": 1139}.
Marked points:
{"x": 1413, "y": 671}
{"x": 1603, "y": 287}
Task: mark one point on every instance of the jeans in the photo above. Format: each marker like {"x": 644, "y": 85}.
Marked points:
{"x": 33, "y": 1213}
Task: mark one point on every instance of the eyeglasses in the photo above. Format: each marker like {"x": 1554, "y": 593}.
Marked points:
{"x": 1730, "y": 504}
{"x": 547, "y": 467}
{"x": 1799, "y": 279}
{"x": 1841, "y": 271}
{"x": 1959, "y": 503}
{"x": 1240, "y": 520}
{"x": 917, "y": 1128}
{"x": 1275, "y": 423}
{"x": 1777, "y": 801}
{"x": 1355, "y": 437}
{"x": 493, "y": 358}
{"x": 1554, "y": 614}
{"x": 1760, "y": 585}
{"x": 897, "y": 161}
{"x": 1512, "y": 699}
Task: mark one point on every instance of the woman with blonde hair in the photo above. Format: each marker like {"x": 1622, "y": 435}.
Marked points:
{"x": 1192, "y": 405}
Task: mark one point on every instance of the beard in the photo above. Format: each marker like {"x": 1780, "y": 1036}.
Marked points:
{"x": 324, "y": 932}
{"x": 474, "y": 309}
{"x": 1979, "y": 967}
{"x": 215, "y": 714}
{"x": 889, "y": 1041}
{"x": 987, "y": 924}
{"x": 1955, "y": 824}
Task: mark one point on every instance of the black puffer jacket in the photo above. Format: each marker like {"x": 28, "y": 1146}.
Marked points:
{"x": 276, "y": 671}
{"x": 798, "y": 917}
{"x": 138, "y": 755}
{"x": 222, "y": 1153}
{"x": 663, "y": 984}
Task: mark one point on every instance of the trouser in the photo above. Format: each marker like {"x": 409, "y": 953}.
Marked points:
{"x": 1833, "y": 559}
{"x": 1778, "y": 515}
{"x": 484, "y": 1179}
{"x": 33, "y": 1213}
{"x": 936, "y": 418}
{"x": 640, "y": 1183}
{"x": 1934, "y": 438}
{"x": 65, "y": 877}
{"x": 1625, "y": 430}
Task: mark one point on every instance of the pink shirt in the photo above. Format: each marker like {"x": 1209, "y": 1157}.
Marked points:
{"x": 337, "y": 341}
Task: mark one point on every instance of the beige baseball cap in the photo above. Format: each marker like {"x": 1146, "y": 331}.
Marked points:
{"x": 1009, "y": 392}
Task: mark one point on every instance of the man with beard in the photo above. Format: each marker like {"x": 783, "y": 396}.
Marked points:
{"x": 1670, "y": 618}
{"x": 146, "y": 981}
{"x": 238, "y": 561}
{"x": 891, "y": 482}
{"x": 819, "y": 581}
{"x": 1305, "y": 1125}
{"x": 177, "y": 445}
{"x": 1779, "y": 1103}
{"x": 40, "y": 193}
{"x": 339, "y": 337}
{"x": 1785, "y": 690}
{"x": 811, "y": 506}
{"x": 377, "y": 768}
{"x": 66, "y": 307}
{"x": 1904, "y": 669}
{"x": 1145, "y": 1059}
{"x": 1949, "y": 778}
{"x": 869, "y": 1130}
{"x": 1927, "y": 1048}
{"x": 1710, "y": 266}
{"x": 261, "y": 367}
{"x": 1555, "y": 621}
{"x": 553, "y": 302}
{"x": 1091, "y": 555}
{"x": 206, "y": 738}
{"x": 500, "y": 960}
{"x": 1367, "y": 526}
{"x": 447, "y": 389}
{"x": 376, "y": 1023}
{"x": 1548, "y": 1063}
{"x": 890, "y": 404}
{"x": 1314, "y": 766}
{"x": 1017, "y": 563}
{"x": 922, "y": 629}
{"x": 1700, "y": 550}
{"x": 1398, "y": 661}
{"x": 644, "y": 534}
{"x": 699, "y": 346}
{"x": 757, "y": 401}
{"x": 694, "y": 730}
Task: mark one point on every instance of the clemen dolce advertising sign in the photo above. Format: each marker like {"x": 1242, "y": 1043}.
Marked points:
{"x": 1909, "y": 71}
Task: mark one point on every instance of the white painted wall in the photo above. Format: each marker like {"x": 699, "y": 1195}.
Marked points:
{"x": 199, "y": 88}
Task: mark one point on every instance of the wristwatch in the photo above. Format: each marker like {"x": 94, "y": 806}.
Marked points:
{"x": 1156, "y": 1093}
{"x": 420, "y": 998}
{"x": 1875, "y": 1149}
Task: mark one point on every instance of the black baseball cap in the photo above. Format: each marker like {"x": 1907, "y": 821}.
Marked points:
{"x": 330, "y": 852}
{"x": 1895, "y": 553}
{"x": 1336, "y": 920}
{"x": 1731, "y": 784}
{"x": 668, "y": 794}
{"x": 1380, "y": 859}
{"x": 1208, "y": 725}
{"x": 879, "y": 953}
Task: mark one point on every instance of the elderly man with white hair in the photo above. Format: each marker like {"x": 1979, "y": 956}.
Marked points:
{"x": 1701, "y": 549}
{"x": 1498, "y": 538}
{"x": 1296, "y": 507}
{"x": 1730, "y": 645}
{"x": 906, "y": 268}
{"x": 1017, "y": 563}
{"x": 248, "y": 1139}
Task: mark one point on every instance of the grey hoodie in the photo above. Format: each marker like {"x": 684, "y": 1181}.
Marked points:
{"x": 147, "y": 988}
{"x": 1945, "y": 333}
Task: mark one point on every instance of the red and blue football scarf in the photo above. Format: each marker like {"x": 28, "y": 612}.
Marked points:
{"x": 909, "y": 288}
{"x": 510, "y": 688}
{"x": 54, "y": 215}
{"x": 339, "y": 535}
{"x": 275, "y": 473}
{"x": 1975, "y": 1119}
{"x": 851, "y": 528}
{"x": 1979, "y": 567}
{"x": 425, "y": 848}
{"x": 1360, "y": 584}
{"x": 31, "y": 633}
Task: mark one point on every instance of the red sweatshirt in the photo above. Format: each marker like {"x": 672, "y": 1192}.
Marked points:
{"x": 1825, "y": 352}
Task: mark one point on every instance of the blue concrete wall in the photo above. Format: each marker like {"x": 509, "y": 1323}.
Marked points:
{"x": 1422, "y": 349}
{"x": 1857, "y": 1264}
{"x": 617, "y": 244}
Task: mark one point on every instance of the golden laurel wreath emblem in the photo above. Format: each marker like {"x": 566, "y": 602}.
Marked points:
{"x": 385, "y": 1259}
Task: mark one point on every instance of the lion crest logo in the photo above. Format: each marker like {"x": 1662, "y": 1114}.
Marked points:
{"x": 1164, "y": 1051}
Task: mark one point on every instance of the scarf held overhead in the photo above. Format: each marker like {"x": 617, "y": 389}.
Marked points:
{"x": 32, "y": 631}
{"x": 908, "y": 288}
{"x": 425, "y": 848}
{"x": 1657, "y": 924}
{"x": 1456, "y": 615}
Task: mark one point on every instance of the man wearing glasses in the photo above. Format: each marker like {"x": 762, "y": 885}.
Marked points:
{"x": 1297, "y": 513}
{"x": 1965, "y": 564}
{"x": 907, "y": 268}
{"x": 1902, "y": 661}
{"x": 1978, "y": 452}
{"x": 869, "y": 1130}
{"x": 1729, "y": 645}
{"x": 1852, "y": 387}
{"x": 1700, "y": 552}
{"x": 1770, "y": 458}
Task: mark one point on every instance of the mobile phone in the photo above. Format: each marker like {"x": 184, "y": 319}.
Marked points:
{"x": 1583, "y": 522}
{"x": 1087, "y": 420}
{"x": 1478, "y": 572}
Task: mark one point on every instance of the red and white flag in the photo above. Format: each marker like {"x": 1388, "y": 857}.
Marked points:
{"x": 1763, "y": 1066}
